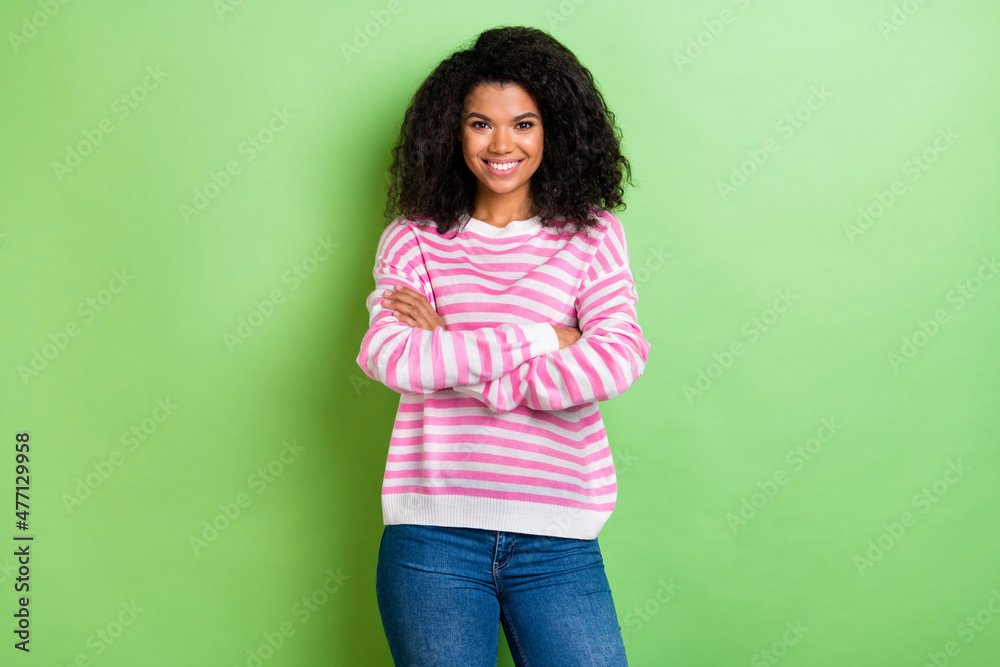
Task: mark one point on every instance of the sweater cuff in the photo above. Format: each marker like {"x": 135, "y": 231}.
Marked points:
{"x": 543, "y": 338}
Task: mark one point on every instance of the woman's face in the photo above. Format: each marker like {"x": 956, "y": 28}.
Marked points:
{"x": 501, "y": 126}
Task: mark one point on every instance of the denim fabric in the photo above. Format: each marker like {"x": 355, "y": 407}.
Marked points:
{"x": 444, "y": 592}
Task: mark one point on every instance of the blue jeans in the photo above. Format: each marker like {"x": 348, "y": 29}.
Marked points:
{"x": 443, "y": 592}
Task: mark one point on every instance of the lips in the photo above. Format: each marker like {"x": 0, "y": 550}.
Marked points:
{"x": 503, "y": 172}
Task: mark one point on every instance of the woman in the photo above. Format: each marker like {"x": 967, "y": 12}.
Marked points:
{"x": 504, "y": 310}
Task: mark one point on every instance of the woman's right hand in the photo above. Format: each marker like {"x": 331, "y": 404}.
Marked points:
{"x": 567, "y": 335}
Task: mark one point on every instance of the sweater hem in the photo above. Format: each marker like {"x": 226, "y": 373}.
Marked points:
{"x": 516, "y": 516}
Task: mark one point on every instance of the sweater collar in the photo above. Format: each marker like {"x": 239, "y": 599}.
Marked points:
{"x": 512, "y": 228}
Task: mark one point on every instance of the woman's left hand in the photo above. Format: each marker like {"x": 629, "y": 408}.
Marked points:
{"x": 413, "y": 308}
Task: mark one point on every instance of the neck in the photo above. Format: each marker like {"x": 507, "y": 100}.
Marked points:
{"x": 500, "y": 210}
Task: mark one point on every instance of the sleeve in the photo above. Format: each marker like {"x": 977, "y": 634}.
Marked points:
{"x": 607, "y": 359}
{"x": 412, "y": 360}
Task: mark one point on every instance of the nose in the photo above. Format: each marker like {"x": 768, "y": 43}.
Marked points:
{"x": 501, "y": 141}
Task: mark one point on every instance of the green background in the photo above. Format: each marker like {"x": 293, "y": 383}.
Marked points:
{"x": 707, "y": 262}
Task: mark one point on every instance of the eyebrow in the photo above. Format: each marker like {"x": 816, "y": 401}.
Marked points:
{"x": 490, "y": 120}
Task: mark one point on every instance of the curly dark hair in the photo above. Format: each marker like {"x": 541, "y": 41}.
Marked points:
{"x": 582, "y": 164}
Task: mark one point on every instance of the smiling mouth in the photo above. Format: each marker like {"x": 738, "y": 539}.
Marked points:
{"x": 504, "y": 166}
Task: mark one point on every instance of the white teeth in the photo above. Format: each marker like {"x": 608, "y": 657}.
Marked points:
{"x": 505, "y": 166}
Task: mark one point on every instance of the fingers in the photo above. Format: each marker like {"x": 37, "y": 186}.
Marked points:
{"x": 412, "y": 308}
{"x": 404, "y": 295}
{"x": 405, "y": 319}
{"x": 401, "y": 306}
{"x": 405, "y": 300}
{"x": 402, "y": 312}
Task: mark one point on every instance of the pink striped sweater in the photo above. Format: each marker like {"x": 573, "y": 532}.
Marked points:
{"x": 497, "y": 428}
